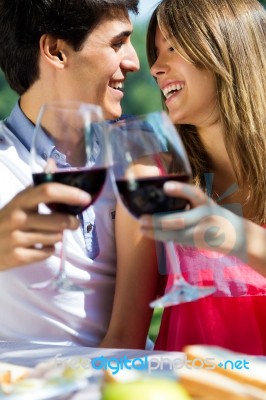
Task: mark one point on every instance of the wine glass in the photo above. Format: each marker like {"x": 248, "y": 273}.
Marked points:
{"x": 69, "y": 147}
{"x": 147, "y": 152}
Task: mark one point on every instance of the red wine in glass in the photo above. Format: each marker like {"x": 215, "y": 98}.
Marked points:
{"x": 146, "y": 195}
{"x": 89, "y": 180}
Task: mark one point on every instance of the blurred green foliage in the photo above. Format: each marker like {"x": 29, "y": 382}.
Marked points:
{"x": 7, "y": 97}
{"x": 155, "y": 324}
{"x": 141, "y": 92}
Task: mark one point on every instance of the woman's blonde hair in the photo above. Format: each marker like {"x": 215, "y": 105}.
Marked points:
{"x": 227, "y": 37}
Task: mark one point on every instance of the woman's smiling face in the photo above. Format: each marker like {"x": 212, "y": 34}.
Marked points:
{"x": 189, "y": 92}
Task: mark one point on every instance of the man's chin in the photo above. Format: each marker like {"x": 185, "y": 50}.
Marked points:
{"x": 113, "y": 113}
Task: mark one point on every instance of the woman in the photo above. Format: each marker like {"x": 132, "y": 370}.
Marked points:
{"x": 202, "y": 54}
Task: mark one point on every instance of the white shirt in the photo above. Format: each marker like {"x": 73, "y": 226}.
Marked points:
{"x": 50, "y": 316}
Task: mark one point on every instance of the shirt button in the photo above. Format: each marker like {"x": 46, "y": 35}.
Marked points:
{"x": 89, "y": 228}
{"x": 44, "y": 156}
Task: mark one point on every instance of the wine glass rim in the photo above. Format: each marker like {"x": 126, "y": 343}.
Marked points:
{"x": 142, "y": 116}
{"x": 71, "y": 104}
{"x": 172, "y": 131}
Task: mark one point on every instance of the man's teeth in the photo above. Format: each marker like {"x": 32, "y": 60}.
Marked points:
{"x": 171, "y": 89}
{"x": 117, "y": 85}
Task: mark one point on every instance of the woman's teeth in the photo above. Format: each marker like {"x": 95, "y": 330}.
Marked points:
{"x": 169, "y": 90}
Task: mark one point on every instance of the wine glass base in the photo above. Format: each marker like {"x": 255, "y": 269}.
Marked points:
{"x": 63, "y": 285}
{"x": 182, "y": 293}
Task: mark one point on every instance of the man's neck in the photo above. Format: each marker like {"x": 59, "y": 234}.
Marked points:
{"x": 33, "y": 99}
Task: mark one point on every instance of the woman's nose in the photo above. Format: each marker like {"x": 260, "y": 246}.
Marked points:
{"x": 157, "y": 68}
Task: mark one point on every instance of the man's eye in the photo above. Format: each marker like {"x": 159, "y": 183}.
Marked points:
{"x": 117, "y": 45}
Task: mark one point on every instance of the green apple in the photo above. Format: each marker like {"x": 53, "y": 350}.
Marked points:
{"x": 146, "y": 389}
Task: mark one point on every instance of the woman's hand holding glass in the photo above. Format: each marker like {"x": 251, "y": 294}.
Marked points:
{"x": 206, "y": 226}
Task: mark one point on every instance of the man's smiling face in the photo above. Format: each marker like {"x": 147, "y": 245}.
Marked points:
{"x": 96, "y": 73}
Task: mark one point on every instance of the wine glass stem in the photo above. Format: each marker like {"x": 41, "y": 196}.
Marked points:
{"x": 174, "y": 261}
{"x": 62, "y": 272}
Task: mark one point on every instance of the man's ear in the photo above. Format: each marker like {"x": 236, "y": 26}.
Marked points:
{"x": 52, "y": 50}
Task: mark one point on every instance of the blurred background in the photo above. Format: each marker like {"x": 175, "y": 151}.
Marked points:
{"x": 142, "y": 95}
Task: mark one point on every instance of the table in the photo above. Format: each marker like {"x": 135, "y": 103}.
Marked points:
{"x": 31, "y": 354}
{"x": 158, "y": 361}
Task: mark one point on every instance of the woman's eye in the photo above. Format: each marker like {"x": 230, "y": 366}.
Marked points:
{"x": 171, "y": 49}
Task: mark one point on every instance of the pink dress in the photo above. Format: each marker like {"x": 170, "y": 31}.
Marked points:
{"x": 234, "y": 317}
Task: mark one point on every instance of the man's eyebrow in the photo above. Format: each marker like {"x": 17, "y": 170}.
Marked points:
{"x": 122, "y": 34}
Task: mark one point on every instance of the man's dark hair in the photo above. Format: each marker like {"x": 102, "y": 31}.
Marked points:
{"x": 23, "y": 22}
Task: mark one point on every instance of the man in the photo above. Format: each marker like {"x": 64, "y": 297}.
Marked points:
{"x": 55, "y": 50}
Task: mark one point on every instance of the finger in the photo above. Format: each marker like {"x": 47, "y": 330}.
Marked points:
{"x": 21, "y": 256}
{"x": 193, "y": 194}
{"x": 184, "y": 237}
{"x": 25, "y": 221}
{"x": 25, "y": 239}
{"x": 177, "y": 220}
{"x": 54, "y": 222}
{"x": 165, "y": 221}
{"x": 148, "y": 232}
{"x": 51, "y": 192}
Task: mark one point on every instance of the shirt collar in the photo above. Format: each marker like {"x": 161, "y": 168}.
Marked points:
{"x": 23, "y": 129}
{"x": 20, "y": 125}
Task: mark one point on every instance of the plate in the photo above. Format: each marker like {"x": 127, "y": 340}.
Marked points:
{"x": 54, "y": 392}
{"x": 45, "y": 381}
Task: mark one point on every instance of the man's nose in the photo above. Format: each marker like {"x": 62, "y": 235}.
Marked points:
{"x": 131, "y": 60}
